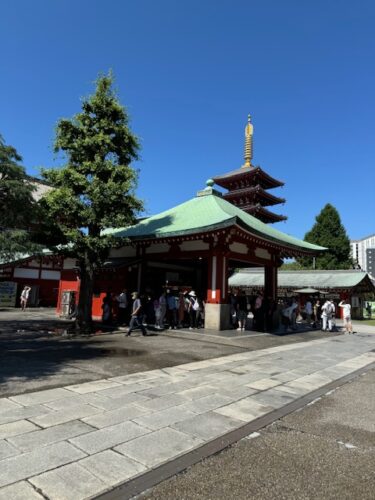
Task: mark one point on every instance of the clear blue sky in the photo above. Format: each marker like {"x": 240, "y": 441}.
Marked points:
{"x": 189, "y": 73}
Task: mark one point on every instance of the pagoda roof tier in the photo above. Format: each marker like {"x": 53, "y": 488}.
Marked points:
{"x": 253, "y": 193}
{"x": 247, "y": 176}
{"x": 262, "y": 213}
{"x": 206, "y": 213}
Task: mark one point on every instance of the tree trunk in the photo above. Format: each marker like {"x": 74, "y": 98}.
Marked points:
{"x": 84, "y": 318}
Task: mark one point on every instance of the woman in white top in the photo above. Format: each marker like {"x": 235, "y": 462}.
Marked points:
{"x": 347, "y": 316}
{"x": 25, "y": 297}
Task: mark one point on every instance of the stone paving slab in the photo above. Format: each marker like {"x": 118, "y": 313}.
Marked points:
{"x": 159, "y": 446}
{"x": 80, "y": 440}
{"x": 62, "y": 416}
{"x": 6, "y": 405}
{"x": 108, "y": 437}
{"x": 112, "y": 467}
{"x": 23, "y": 413}
{"x": 40, "y": 397}
{"x": 69, "y": 482}
{"x": 113, "y": 417}
{"x": 20, "y": 491}
{"x": 15, "y": 428}
{"x": 44, "y": 437}
{"x": 26, "y": 465}
{"x": 7, "y": 450}
{"x": 207, "y": 426}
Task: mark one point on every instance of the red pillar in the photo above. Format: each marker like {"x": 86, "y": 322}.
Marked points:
{"x": 217, "y": 289}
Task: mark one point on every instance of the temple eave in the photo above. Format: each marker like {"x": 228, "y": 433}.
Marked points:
{"x": 263, "y": 214}
{"x": 253, "y": 195}
{"x": 244, "y": 174}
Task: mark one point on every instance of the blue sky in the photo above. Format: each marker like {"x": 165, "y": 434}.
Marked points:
{"x": 189, "y": 73}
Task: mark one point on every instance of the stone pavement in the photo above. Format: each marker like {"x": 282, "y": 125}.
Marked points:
{"x": 81, "y": 440}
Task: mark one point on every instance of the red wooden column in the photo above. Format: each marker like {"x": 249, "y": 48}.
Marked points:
{"x": 217, "y": 289}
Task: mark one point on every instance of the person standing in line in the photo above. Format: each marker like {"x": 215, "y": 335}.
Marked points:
{"x": 294, "y": 308}
{"x": 193, "y": 310}
{"x": 326, "y": 315}
{"x": 241, "y": 310}
{"x": 122, "y": 300}
{"x": 25, "y": 297}
{"x": 308, "y": 311}
{"x": 332, "y": 323}
{"x": 317, "y": 311}
{"x": 259, "y": 313}
{"x": 347, "y": 313}
{"x": 162, "y": 309}
{"x": 181, "y": 308}
{"x": 172, "y": 310}
{"x": 136, "y": 316}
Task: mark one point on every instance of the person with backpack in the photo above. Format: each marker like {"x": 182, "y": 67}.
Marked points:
{"x": 327, "y": 311}
{"x": 136, "y": 316}
{"x": 193, "y": 310}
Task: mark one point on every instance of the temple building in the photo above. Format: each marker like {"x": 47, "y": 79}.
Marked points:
{"x": 197, "y": 244}
{"x": 248, "y": 185}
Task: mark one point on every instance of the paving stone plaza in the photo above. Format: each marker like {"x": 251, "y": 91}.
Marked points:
{"x": 81, "y": 440}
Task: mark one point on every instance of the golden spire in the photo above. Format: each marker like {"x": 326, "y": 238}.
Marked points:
{"x": 248, "y": 143}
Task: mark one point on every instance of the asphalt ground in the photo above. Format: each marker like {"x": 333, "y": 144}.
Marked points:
{"x": 38, "y": 350}
{"x": 326, "y": 450}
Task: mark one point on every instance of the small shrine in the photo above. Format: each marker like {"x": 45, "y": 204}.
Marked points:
{"x": 248, "y": 185}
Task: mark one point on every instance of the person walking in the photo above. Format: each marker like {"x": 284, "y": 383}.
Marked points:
{"x": 122, "y": 300}
{"x": 347, "y": 313}
{"x": 24, "y": 298}
{"x": 136, "y": 316}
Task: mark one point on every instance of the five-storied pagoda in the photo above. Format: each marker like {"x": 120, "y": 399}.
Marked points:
{"x": 248, "y": 185}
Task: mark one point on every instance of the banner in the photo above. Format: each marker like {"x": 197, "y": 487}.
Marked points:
{"x": 8, "y": 293}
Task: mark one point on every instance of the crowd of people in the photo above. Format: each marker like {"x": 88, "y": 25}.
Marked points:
{"x": 318, "y": 315}
{"x": 255, "y": 312}
{"x": 167, "y": 309}
{"x": 175, "y": 309}
{"x": 260, "y": 313}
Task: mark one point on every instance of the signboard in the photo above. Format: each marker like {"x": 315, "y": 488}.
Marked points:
{"x": 8, "y": 293}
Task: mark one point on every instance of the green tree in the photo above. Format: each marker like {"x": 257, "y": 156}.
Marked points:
{"x": 95, "y": 188}
{"x": 17, "y": 206}
{"x": 329, "y": 232}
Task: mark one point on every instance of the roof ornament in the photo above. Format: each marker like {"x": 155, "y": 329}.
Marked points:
{"x": 248, "y": 151}
{"x": 209, "y": 189}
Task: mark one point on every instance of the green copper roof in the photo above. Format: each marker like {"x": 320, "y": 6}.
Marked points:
{"x": 249, "y": 278}
{"x": 207, "y": 211}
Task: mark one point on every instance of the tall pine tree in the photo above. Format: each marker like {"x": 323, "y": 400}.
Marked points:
{"x": 95, "y": 189}
{"x": 329, "y": 232}
{"x": 17, "y": 205}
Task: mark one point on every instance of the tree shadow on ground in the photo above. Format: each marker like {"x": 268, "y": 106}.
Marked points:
{"x": 42, "y": 348}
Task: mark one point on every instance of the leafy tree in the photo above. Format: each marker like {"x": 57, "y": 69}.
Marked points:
{"x": 17, "y": 206}
{"x": 329, "y": 232}
{"x": 291, "y": 266}
{"x": 95, "y": 189}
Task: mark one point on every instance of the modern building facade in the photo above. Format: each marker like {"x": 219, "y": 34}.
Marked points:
{"x": 362, "y": 254}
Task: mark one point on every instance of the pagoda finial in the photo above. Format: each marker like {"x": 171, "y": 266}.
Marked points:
{"x": 248, "y": 142}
